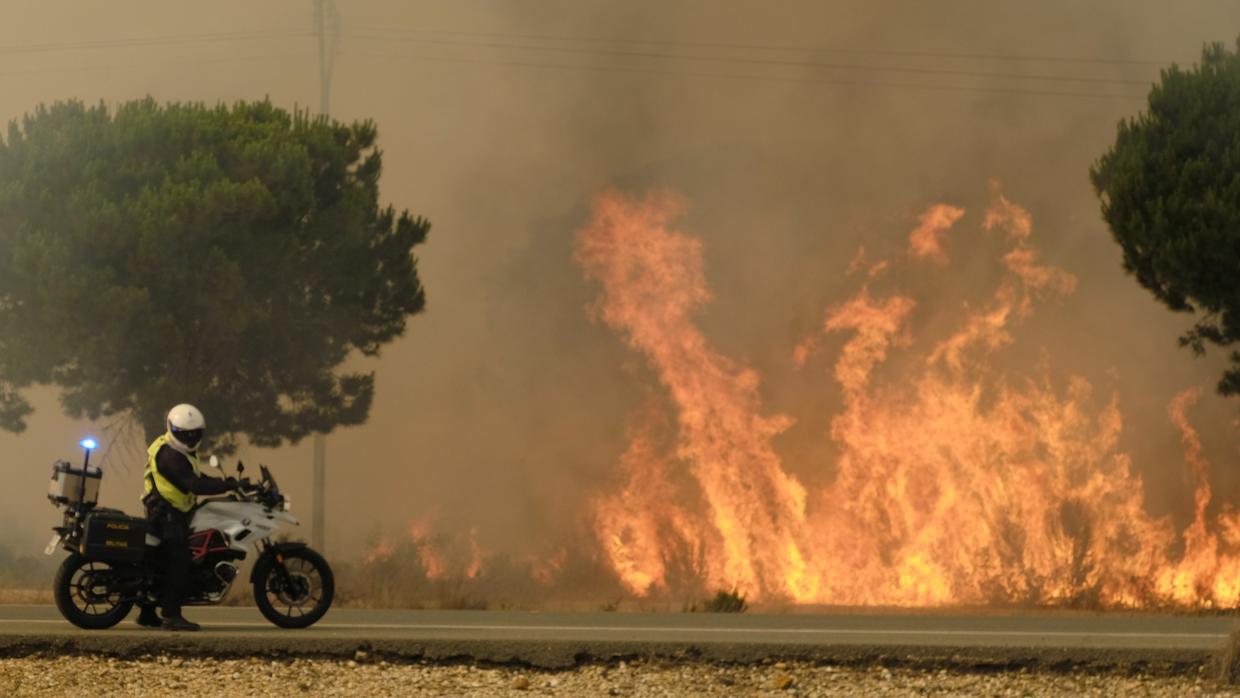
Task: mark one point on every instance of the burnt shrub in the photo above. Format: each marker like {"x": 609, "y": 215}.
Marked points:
{"x": 724, "y": 601}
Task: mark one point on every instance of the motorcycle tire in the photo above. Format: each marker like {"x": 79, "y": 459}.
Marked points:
{"x": 67, "y": 598}
{"x": 265, "y": 569}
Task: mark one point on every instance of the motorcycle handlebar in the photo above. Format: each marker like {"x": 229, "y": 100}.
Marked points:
{"x": 263, "y": 492}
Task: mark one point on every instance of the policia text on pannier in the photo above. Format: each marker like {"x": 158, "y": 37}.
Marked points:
{"x": 111, "y": 536}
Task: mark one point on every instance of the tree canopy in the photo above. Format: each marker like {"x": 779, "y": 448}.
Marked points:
{"x": 1170, "y": 191}
{"x": 233, "y": 257}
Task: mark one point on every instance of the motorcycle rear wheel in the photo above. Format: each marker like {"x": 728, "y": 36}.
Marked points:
{"x": 304, "y": 598}
{"x": 83, "y": 599}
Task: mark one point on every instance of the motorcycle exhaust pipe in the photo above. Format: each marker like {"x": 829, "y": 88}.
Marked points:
{"x": 226, "y": 572}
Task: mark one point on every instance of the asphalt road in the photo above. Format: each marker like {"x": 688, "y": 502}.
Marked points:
{"x": 557, "y": 639}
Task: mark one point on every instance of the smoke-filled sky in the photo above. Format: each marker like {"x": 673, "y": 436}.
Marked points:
{"x": 505, "y": 407}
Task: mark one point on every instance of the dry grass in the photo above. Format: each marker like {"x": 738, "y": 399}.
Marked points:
{"x": 26, "y": 596}
{"x": 26, "y": 578}
{"x": 402, "y": 577}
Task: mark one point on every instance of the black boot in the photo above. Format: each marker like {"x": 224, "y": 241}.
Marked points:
{"x": 179, "y": 624}
{"x": 148, "y": 618}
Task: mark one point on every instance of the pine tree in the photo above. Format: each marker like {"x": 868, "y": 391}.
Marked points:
{"x": 1170, "y": 191}
{"x": 230, "y": 256}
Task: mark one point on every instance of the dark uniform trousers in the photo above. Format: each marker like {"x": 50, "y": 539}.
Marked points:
{"x": 172, "y": 528}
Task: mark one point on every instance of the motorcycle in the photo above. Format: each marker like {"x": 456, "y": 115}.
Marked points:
{"x": 115, "y": 563}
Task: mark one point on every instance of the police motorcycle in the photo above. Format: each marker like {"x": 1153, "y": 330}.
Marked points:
{"x": 114, "y": 563}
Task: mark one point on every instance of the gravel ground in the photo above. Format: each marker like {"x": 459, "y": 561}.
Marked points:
{"x": 162, "y": 675}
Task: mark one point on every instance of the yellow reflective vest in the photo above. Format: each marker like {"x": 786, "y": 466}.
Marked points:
{"x": 182, "y": 501}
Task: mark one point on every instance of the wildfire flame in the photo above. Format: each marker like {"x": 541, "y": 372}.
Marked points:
{"x": 953, "y": 484}
{"x": 928, "y": 238}
{"x": 440, "y": 555}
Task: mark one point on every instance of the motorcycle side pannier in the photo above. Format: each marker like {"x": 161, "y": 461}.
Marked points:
{"x": 66, "y": 486}
{"x": 113, "y": 537}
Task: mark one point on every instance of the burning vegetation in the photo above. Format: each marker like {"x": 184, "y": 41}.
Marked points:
{"x": 431, "y": 567}
{"x": 952, "y": 481}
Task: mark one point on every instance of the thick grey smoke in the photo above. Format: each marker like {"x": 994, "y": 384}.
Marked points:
{"x": 504, "y": 408}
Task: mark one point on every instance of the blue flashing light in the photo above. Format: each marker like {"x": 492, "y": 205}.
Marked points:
{"x": 89, "y": 444}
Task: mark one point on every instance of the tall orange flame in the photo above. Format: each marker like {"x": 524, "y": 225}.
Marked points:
{"x": 952, "y": 485}
{"x": 652, "y": 282}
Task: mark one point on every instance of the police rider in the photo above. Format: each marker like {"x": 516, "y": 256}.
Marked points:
{"x": 173, "y": 479}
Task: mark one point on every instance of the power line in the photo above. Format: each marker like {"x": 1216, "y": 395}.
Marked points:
{"x": 781, "y": 48}
{"x": 767, "y": 61}
{"x": 267, "y": 35}
{"x": 758, "y": 78}
{"x": 242, "y": 36}
{"x": 193, "y": 61}
{"x": 148, "y": 41}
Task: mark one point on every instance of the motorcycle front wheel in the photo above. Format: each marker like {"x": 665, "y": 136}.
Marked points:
{"x": 294, "y": 593}
{"x": 82, "y": 594}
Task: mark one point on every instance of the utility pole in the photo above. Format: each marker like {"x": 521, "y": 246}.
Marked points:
{"x": 326, "y": 25}
{"x": 318, "y": 525}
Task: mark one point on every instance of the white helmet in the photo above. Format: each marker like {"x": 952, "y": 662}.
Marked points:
{"x": 185, "y": 428}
